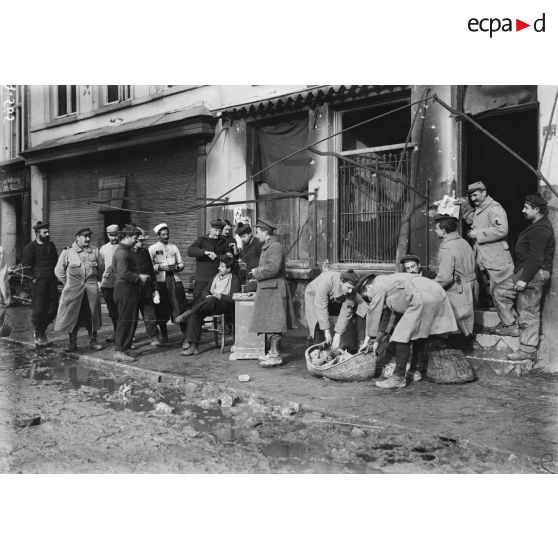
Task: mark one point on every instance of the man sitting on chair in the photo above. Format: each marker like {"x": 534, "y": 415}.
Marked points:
{"x": 216, "y": 299}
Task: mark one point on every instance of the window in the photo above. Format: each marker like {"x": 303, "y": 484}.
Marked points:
{"x": 371, "y": 204}
{"x": 66, "y": 100}
{"x": 117, "y": 93}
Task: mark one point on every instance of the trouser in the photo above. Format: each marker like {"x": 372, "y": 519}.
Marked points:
{"x": 112, "y": 307}
{"x": 147, "y": 309}
{"x": 402, "y": 351}
{"x": 503, "y": 295}
{"x": 44, "y": 302}
{"x": 529, "y": 309}
{"x": 199, "y": 287}
{"x": 126, "y": 297}
{"x": 208, "y": 307}
{"x": 274, "y": 341}
{"x": 171, "y": 305}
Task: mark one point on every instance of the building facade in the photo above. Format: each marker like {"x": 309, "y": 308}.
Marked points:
{"x": 359, "y": 197}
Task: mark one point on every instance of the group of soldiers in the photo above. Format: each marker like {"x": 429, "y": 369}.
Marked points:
{"x": 398, "y": 311}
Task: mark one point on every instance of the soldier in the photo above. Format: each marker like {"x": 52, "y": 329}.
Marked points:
{"x": 207, "y": 249}
{"x": 534, "y": 252}
{"x": 109, "y": 279}
{"x": 167, "y": 262}
{"x": 126, "y": 292}
{"x": 329, "y": 287}
{"x": 456, "y": 272}
{"x": 411, "y": 264}
{"x": 489, "y": 230}
{"x": 273, "y": 311}
{"x": 424, "y": 310}
{"x": 38, "y": 262}
{"x": 80, "y": 267}
{"x": 250, "y": 250}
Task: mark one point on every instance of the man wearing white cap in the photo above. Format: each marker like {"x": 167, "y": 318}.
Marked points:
{"x": 109, "y": 278}
{"x": 167, "y": 262}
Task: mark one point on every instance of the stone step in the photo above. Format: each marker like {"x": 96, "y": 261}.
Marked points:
{"x": 486, "y": 318}
{"x": 505, "y": 343}
{"x": 500, "y": 366}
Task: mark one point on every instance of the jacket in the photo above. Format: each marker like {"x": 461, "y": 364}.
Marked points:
{"x": 166, "y": 254}
{"x": 109, "y": 278}
{"x": 273, "y": 310}
{"x": 492, "y": 252}
{"x": 206, "y": 268}
{"x": 145, "y": 265}
{"x": 534, "y": 249}
{"x": 250, "y": 253}
{"x": 39, "y": 260}
{"x": 456, "y": 274}
{"x": 325, "y": 288}
{"x": 80, "y": 270}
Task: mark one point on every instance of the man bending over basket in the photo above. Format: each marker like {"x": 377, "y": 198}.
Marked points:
{"x": 424, "y": 309}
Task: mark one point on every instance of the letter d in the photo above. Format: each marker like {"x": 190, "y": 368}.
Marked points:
{"x": 536, "y": 24}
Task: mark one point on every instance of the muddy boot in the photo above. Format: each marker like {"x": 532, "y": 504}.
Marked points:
{"x": 93, "y": 341}
{"x": 273, "y": 358}
{"x": 191, "y": 350}
{"x": 72, "y": 344}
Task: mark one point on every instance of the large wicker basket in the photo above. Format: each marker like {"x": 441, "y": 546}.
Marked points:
{"x": 357, "y": 368}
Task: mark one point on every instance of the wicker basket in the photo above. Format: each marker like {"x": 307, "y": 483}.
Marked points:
{"x": 359, "y": 367}
{"x": 449, "y": 366}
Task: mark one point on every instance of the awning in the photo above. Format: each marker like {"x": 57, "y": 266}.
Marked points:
{"x": 311, "y": 96}
{"x": 190, "y": 122}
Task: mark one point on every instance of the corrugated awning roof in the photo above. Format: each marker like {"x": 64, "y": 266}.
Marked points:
{"x": 310, "y": 96}
{"x": 197, "y": 120}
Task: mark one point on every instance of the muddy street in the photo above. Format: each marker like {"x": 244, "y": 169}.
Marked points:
{"x": 59, "y": 416}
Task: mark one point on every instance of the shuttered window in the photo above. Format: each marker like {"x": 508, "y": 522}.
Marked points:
{"x": 112, "y": 190}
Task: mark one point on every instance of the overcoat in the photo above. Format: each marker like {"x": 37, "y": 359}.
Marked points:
{"x": 456, "y": 274}
{"x": 490, "y": 222}
{"x": 423, "y": 304}
{"x": 325, "y": 288}
{"x": 273, "y": 310}
{"x": 80, "y": 270}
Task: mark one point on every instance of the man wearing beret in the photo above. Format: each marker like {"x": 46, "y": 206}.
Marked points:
{"x": 250, "y": 250}
{"x": 126, "y": 292}
{"x": 456, "y": 272}
{"x": 273, "y": 310}
{"x": 327, "y": 289}
{"x": 109, "y": 279}
{"x": 38, "y": 262}
{"x": 489, "y": 231}
{"x": 207, "y": 249}
{"x": 80, "y": 267}
{"x": 167, "y": 262}
{"x": 534, "y": 254}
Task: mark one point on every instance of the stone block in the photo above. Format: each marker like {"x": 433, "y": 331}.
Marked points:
{"x": 486, "y": 318}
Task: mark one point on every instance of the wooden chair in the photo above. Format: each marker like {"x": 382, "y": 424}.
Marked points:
{"x": 219, "y": 328}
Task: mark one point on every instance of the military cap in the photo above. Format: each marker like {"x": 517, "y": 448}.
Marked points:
{"x": 242, "y": 228}
{"x": 40, "y": 225}
{"x": 409, "y": 258}
{"x": 112, "y": 229}
{"x": 265, "y": 225}
{"x": 142, "y": 235}
{"x": 536, "y": 200}
{"x": 160, "y": 227}
{"x": 350, "y": 276}
{"x": 444, "y": 217}
{"x": 217, "y": 224}
{"x": 476, "y": 186}
{"x": 84, "y": 231}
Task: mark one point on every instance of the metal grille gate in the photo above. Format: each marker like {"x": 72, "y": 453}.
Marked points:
{"x": 370, "y": 205}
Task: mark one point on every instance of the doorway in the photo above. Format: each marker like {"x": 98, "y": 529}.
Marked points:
{"x": 119, "y": 217}
{"x": 507, "y": 180}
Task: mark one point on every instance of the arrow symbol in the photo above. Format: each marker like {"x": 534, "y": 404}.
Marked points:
{"x": 519, "y": 25}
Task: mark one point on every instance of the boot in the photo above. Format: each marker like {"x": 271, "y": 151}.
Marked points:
{"x": 119, "y": 356}
{"x": 93, "y": 341}
{"x": 72, "y": 345}
{"x": 402, "y": 351}
{"x": 191, "y": 350}
{"x": 39, "y": 338}
{"x": 273, "y": 358}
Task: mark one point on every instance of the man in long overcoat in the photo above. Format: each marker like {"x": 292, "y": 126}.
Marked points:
{"x": 80, "y": 267}
{"x": 456, "y": 272}
{"x": 328, "y": 288}
{"x": 489, "y": 230}
{"x": 38, "y": 262}
{"x": 424, "y": 309}
{"x": 273, "y": 310}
